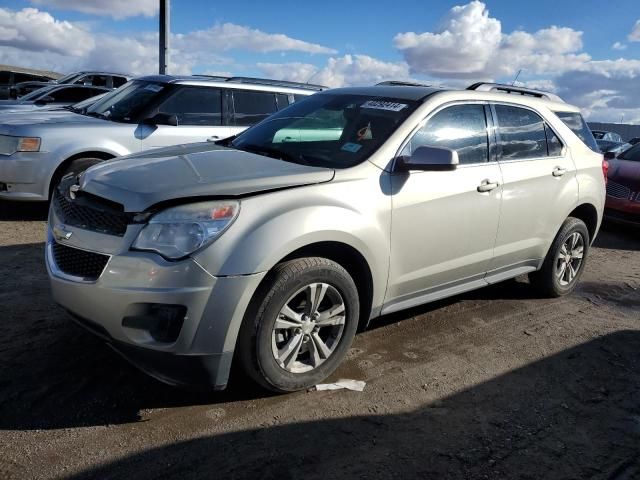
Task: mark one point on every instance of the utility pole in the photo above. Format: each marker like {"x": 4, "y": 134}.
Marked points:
{"x": 163, "y": 57}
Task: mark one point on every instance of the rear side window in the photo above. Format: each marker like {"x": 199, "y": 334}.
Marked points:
{"x": 521, "y": 133}
{"x": 252, "y": 107}
{"x": 462, "y": 128}
{"x": 554, "y": 145}
{"x": 73, "y": 95}
{"x": 576, "y": 123}
{"x": 283, "y": 100}
{"x": 119, "y": 81}
{"x": 194, "y": 106}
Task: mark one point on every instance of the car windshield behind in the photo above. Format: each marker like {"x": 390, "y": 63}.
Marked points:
{"x": 68, "y": 78}
{"x": 36, "y": 94}
{"x": 327, "y": 130}
{"x": 127, "y": 102}
{"x": 632, "y": 154}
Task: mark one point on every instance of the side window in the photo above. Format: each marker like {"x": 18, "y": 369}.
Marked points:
{"x": 119, "y": 81}
{"x": 5, "y": 78}
{"x": 283, "y": 100}
{"x": 25, "y": 77}
{"x": 97, "y": 81}
{"x": 72, "y": 95}
{"x": 252, "y": 107}
{"x": 554, "y": 145}
{"x": 576, "y": 123}
{"x": 462, "y": 128}
{"x": 194, "y": 106}
{"x": 521, "y": 133}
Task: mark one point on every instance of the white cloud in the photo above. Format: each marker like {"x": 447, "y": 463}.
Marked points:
{"x": 619, "y": 46}
{"x": 339, "y": 71}
{"x": 228, "y": 36}
{"x": 117, "y": 9}
{"x": 32, "y": 30}
{"x": 471, "y": 44}
{"x": 634, "y": 36}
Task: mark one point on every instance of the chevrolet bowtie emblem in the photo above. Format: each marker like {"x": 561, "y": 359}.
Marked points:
{"x": 72, "y": 191}
{"x": 61, "y": 233}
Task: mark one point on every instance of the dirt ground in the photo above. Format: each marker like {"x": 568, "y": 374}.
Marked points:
{"x": 497, "y": 383}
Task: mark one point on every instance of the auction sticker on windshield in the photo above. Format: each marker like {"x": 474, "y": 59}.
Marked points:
{"x": 381, "y": 105}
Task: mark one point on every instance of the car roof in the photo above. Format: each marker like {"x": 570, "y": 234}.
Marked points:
{"x": 240, "y": 83}
{"x": 401, "y": 92}
{"x": 100, "y": 72}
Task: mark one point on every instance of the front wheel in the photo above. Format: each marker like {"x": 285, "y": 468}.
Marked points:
{"x": 565, "y": 260}
{"x": 304, "y": 325}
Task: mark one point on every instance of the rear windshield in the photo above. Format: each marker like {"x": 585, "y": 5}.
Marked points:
{"x": 576, "y": 123}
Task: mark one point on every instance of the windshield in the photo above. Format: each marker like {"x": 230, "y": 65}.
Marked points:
{"x": 127, "y": 102}
{"x": 327, "y": 130}
{"x": 68, "y": 78}
{"x": 29, "y": 97}
{"x": 632, "y": 154}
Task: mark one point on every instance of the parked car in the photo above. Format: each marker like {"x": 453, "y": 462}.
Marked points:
{"x": 623, "y": 188}
{"x": 607, "y": 136}
{"x": 271, "y": 251}
{"x": 53, "y": 95}
{"x": 612, "y": 149}
{"x": 95, "y": 79}
{"x": 634, "y": 140}
{"x": 146, "y": 113}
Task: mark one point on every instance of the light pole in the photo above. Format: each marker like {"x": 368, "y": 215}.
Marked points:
{"x": 163, "y": 56}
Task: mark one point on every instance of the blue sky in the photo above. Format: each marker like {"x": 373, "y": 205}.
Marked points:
{"x": 566, "y": 46}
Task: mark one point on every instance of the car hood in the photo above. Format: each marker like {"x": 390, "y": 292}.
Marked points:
{"x": 625, "y": 172}
{"x": 46, "y": 116}
{"x": 195, "y": 170}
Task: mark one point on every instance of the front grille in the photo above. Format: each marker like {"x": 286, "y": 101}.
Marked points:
{"x": 90, "y": 213}
{"x": 616, "y": 190}
{"x": 79, "y": 263}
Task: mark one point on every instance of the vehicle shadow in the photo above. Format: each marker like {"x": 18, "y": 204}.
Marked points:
{"x": 21, "y": 211}
{"x": 614, "y": 236}
{"x": 573, "y": 414}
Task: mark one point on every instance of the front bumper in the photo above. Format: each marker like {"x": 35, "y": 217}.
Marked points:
{"x": 623, "y": 210}
{"x": 215, "y": 306}
{"x": 26, "y": 176}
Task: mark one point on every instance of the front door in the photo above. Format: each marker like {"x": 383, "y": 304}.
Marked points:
{"x": 444, "y": 223}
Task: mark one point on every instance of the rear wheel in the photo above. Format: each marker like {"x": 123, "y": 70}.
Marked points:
{"x": 565, "y": 260}
{"x": 304, "y": 326}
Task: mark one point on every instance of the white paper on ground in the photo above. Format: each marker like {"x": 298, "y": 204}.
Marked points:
{"x": 355, "y": 385}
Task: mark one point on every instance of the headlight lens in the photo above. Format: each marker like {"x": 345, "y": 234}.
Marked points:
{"x": 10, "y": 145}
{"x": 180, "y": 231}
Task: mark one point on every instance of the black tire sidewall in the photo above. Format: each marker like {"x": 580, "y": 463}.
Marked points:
{"x": 571, "y": 226}
{"x": 277, "y": 378}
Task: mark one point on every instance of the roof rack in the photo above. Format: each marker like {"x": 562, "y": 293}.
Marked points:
{"x": 402, "y": 83}
{"x": 277, "y": 83}
{"x": 212, "y": 77}
{"x": 502, "y": 88}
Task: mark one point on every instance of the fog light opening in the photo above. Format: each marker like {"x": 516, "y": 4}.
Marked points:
{"x": 162, "y": 322}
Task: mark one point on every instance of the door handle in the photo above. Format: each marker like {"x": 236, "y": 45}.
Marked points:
{"x": 559, "y": 171}
{"x": 213, "y": 138}
{"x": 487, "y": 185}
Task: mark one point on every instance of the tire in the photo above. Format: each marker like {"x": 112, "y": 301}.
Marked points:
{"x": 263, "y": 347}
{"x": 552, "y": 279}
{"x": 76, "y": 167}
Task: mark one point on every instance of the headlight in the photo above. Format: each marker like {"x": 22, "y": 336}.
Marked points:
{"x": 180, "y": 231}
{"x": 10, "y": 145}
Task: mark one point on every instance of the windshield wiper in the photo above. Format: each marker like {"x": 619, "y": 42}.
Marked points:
{"x": 97, "y": 115}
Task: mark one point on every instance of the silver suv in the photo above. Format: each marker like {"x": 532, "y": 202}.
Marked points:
{"x": 272, "y": 248}
{"x": 157, "y": 111}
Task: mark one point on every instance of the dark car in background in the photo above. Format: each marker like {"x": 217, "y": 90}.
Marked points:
{"x": 10, "y": 76}
{"x": 95, "y": 79}
{"x": 52, "y": 95}
{"x": 612, "y": 149}
{"x": 623, "y": 187}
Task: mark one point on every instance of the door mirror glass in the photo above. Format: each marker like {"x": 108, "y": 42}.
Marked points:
{"x": 431, "y": 159}
{"x": 162, "y": 119}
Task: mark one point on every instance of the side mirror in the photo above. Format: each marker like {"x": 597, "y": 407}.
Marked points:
{"x": 431, "y": 159}
{"x": 609, "y": 155}
{"x": 44, "y": 101}
{"x": 162, "y": 119}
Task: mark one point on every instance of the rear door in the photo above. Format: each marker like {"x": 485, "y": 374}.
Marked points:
{"x": 199, "y": 114}
{"x": 540, "y": 186}
{"x": 249, "y": 107}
